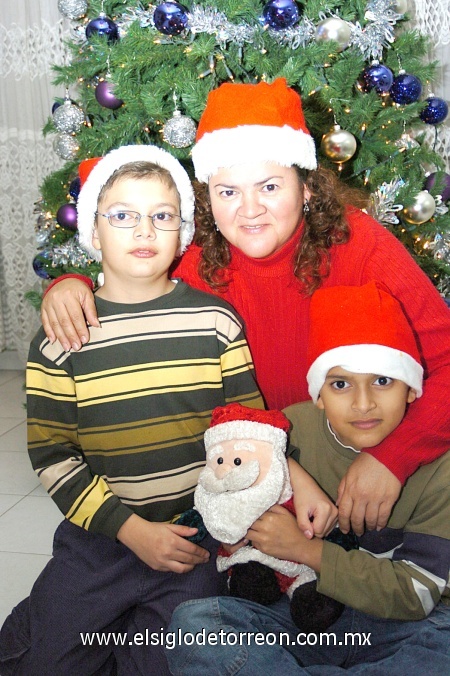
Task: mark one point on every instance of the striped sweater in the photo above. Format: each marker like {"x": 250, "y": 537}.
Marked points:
{"x": 402, "y": 571}
{"x": 117, "y": 428}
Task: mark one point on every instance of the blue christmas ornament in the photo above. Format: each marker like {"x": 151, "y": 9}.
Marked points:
{"x": 39, "y": 263}
{"x": 74, "y": 188}
{"x": 435, "y": 111}
{"x": 280, "y": 14}
{"x": 103, "y": 25}
{"x": 377, "y": 77}
{"x": 405, "y": 89}
{"x": 170, "y": 18}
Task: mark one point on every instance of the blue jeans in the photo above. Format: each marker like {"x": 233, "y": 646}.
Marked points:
{"x": 359, "y": 643}
{"x": 95, "y": 585}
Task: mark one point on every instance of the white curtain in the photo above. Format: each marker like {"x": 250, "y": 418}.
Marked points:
{"x": 433, "y": 19}
{"x": 31, "y": 40}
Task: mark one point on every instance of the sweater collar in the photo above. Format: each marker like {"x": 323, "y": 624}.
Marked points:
{"x": 277, "y": 264}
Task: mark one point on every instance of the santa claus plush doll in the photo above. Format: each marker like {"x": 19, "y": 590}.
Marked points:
{"x": 246, "y": 473}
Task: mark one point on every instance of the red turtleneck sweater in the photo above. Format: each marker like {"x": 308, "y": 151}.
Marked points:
{"x": 268, "y": 297}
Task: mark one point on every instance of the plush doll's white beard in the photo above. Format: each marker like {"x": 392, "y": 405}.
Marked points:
{"x": 228, "y": 516}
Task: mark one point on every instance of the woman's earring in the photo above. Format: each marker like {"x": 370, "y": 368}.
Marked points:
{"x": 306, "y": 207}
{"x": 217, "y": 227}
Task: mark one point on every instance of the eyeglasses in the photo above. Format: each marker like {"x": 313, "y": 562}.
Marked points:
{"x": 130, "y": 219}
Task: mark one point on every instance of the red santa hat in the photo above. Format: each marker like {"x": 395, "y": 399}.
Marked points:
{"x": 95, "y": 172}
{"x": 235, "y": 421}
{"x": 363, "y": 330}
{"x": 252, "y": 123}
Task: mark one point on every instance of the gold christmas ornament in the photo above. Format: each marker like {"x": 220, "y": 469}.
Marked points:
{"x": 421, "y": 210}
{"x": 338, "y": 145}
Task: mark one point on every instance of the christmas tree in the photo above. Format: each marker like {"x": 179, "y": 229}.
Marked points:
{"x": 141, "y": 74}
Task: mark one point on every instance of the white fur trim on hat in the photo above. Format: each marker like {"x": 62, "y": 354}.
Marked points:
{"x": 246, "y": 429}
{"x": 252, "y": 143}
{"x": 88, "y": 197}
{"x": 380, "y": 359}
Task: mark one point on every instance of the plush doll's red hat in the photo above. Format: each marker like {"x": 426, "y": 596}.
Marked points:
{"x": 362, "y": 329}
{"x": 252, "y": 123}
{"x": 94, "y": 173}
{"x": 235, "y": 421}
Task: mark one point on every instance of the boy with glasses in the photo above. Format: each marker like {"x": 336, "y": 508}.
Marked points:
{"x": 116, "y": 431}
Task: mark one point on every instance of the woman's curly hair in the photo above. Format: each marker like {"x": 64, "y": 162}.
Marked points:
{"x": 324, "y": 225}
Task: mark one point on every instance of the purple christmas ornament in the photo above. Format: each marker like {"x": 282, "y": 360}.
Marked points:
{"x": 405, "y": 89}
{"x": 39, "y": 263}
{"x": 435, "y": 111}
{"x": 378, "y": 77}
{"x": 170, "y": 18}
{"x": 444, "y": 181}
{"x": 103, "y": 25}
{"x": 280, "y": 14}
{"x": 66, "y": 216}
{"x": 74, "y": 188}
{"x": 104, "y": 93}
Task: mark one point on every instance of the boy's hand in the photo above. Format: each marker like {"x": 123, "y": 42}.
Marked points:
{"x": 316, "y": 513}
{"x": 162, "y": 546}
{"x": 65, "y": 309}
{"x": 277, "y": 534}
{"x": 233, "y": 548}
{"x": 366, "y": 494}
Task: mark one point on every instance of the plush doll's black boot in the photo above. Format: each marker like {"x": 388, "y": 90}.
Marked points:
{"x": 255, "y": 582}
{"x": 313, "y": 612}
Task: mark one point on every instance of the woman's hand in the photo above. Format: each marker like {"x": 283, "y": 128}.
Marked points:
{"x": 65, "y": 309}
{"x": 366, "y": 495}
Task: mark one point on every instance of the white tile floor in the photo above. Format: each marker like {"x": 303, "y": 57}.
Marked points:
{"x": 28, "y": 516}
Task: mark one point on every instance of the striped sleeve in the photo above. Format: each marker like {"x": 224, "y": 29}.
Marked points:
{"x": 398, "y": 574}
{"x": 54, "y": 447}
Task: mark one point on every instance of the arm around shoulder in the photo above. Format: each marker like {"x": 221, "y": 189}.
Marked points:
{"x": 66, "y": 307}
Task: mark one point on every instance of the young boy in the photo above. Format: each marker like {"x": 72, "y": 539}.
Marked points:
{"x": 364, "y": 371}
{"x": 116, "y": 431}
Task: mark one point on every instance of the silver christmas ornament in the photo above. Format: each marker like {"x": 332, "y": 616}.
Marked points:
{"x": 338, "y": 145}
{"x": 72, "y": 9}
{"x": 421, "y": 210}
{"x": 68, "y": 118}
{"x": 400, "y": 6}
{"x": 66, "y": 146}
{"x": 334, "y": 29}
{"x": 179, "y": 131}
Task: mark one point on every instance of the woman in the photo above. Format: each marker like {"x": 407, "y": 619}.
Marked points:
{"x": 271, "y": 228}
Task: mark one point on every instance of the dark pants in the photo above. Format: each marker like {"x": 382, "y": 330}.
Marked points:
{"x": 94, "y": 584}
